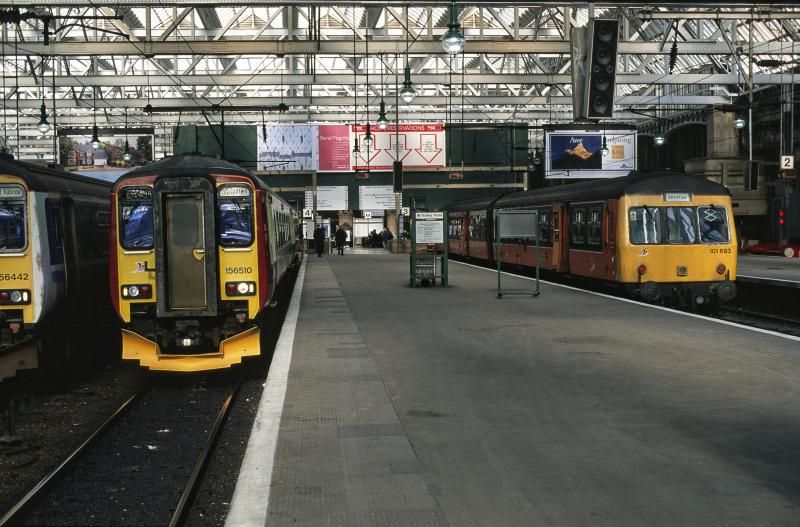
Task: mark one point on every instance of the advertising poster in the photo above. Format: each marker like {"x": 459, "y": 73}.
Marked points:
{"x": 416, "y": 145}
{"x": 580, "y": 154}
{"x": 288, "y": 147}
{"x": 328, "y": 198}
{"x": 375, "y": 197}
{"x": 334, "y": 148}
{"x": 77, "y": 151}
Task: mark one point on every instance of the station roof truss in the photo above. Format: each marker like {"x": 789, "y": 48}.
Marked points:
{"x": 202, "y": 62}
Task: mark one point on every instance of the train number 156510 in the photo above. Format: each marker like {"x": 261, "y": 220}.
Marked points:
{"x": 720, "y": 250}
{"x": 238, "y": 270}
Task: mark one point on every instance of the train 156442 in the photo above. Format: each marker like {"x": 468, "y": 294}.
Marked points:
{"x": 661, "y": 235}
{"x": 198, "y": 246}
{"x": 53, "y": 257}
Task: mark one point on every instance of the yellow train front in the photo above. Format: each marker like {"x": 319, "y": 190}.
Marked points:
{"x": 198, "y": 246}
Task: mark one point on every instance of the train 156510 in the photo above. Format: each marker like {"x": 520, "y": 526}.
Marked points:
{"x": 53, "y": 257}
{"x": 661, "y": 235}
{"x": 198, "y": 246}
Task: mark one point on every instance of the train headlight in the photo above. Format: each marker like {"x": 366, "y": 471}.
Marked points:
{"x": 240, "y": 288}
{"x": 137, "y": 291}
{"x": 721, "y": 269}
{"x": 16, "y": 297}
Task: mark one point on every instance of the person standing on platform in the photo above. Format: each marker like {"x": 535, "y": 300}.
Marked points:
{"x": 341, "y": 239}
{"x": 319, "y": 240}
{"x": 387, "y": 237}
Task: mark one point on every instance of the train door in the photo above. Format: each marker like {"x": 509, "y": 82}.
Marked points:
{"x": 559, "y": 237}
{"x": 184, "y": 229}
{"x": 71, "y": 254}
{"x": 611, "y": 238}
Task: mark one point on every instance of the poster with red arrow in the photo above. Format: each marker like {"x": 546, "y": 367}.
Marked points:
{"x": 416, "y": 145}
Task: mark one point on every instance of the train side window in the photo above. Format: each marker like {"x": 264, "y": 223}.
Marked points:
{"x": 556, "y": 229}
{"x": 578, "y": 226}
{"x": 594, "y": 228}
{"x": 611, "y": 227}
{"x": 103, "y": 218}
{"x": 55, "y": 230}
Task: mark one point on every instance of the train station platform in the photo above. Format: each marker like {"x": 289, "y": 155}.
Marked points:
{"x": 769, "y": 270}
{"x": 387, "y": 405}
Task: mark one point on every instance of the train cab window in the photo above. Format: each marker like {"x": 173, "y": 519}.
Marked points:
{"x": 713, "y": 224}
{"x": 645, "y": 225}
{"x": 235, "y": 215}
{"x": 680, "y": 225}
{"x": 136, "y": 218}
{"x": 12, "y": 218}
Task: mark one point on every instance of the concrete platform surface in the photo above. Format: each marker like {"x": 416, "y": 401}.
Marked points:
{"x": 436, "y": 406}
{"x": 775, "y": 270}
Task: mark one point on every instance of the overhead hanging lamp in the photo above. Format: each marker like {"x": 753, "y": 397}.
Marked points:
{"x": 367, "y": 136}
{"x": 407, "y": 92}
{"x": 453, "y": 40}
{"x": 127, "y": 156}
{"x": 382, "y": 121}
{"x": 96, "y": 144}
{"x": 43, "y": 126}
{"x": 356, "y": 148}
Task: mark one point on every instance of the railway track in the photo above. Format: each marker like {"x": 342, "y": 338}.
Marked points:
{"x": 19, "y": 513}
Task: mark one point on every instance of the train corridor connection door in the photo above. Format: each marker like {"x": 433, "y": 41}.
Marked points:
{"x": 185, "y": 242}
{"x": 185, "y": 251}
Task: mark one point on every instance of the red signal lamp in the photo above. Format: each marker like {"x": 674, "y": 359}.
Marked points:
{"x": 641, "y": 269}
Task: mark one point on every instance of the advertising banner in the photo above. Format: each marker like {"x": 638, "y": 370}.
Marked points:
{"x": 328, "y": 198}
{"x": 288, "y": 147}
{"x": 375, "y": 197}
{"x": 334, "y": 148}
{"x": 416, "y": 145}
{"x": 575, "y": 154}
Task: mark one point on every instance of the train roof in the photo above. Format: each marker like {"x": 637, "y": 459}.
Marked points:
{"x": 472, "y": 204}
{"x": 191, "y": 164}
{"x": 44, "y": 179}
{"x": 658, "y": 182}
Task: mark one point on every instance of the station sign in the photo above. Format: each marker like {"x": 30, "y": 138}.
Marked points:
{"x": 368, "y": 214}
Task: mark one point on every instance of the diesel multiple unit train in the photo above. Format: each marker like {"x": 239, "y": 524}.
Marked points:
{"x": 660, "y": 235}
{"x": 198, "y": 246}
{"x": 53, "y": 259}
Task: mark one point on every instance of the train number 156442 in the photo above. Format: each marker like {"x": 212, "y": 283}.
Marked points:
{"x": 13, "y": 276}
{"x": 720, "y": 250}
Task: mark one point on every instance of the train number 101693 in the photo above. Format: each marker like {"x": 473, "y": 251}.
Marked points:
{"x": 720, "y": 250}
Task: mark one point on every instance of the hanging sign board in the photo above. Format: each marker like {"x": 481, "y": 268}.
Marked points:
{"x": 576, "y": 154}
{"x": 419, "y": 145}
{"x": 375, "y": 197}
{"x": 328, "y": 198}
{"x": 287, "y": 147}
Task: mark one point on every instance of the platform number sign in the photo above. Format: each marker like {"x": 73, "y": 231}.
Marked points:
{"x": 307, "y": 213}
{"x": 787, "y": 162}
{"x": 405, "y": 211}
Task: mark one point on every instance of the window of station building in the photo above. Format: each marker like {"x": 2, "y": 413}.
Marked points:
{"x": 12, "y": 218}
{"x": 136, "y": 218}
{"x": 713, "y": 224}
{"x": 235, "y": 215}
